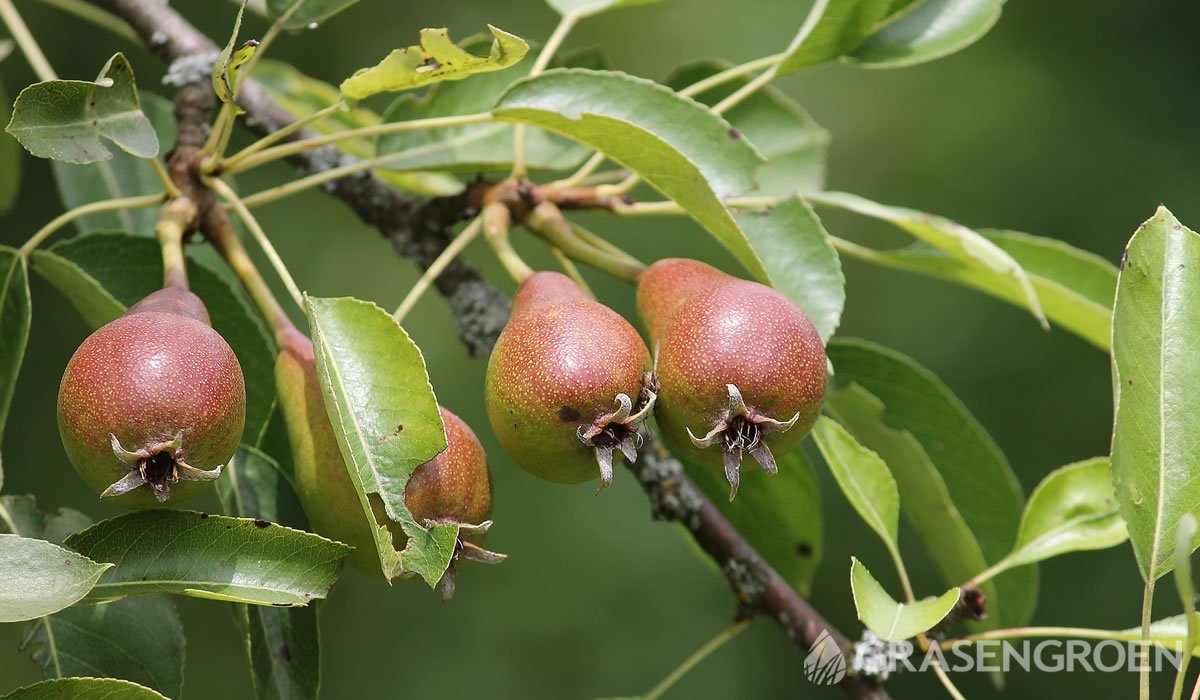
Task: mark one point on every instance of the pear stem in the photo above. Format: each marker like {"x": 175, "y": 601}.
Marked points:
{"x": 452, "y": 251}
{"x": 568, "y": 267}
{"x": 547, "y": 221}
{"x": 173, "y": 222}
{"x": 224, "y": 238}
{"x": 497, "y": 221}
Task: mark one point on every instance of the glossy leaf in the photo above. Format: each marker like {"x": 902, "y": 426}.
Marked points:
{"x": 10, "y": 157}
{"x": 136, "y": 639}
{"x": 15, "y": 316}
{"x": 65, "y": 119}
{"x": 864, "y": 479}
{"x": 675, "y": 144}
{"x": 833, "y": 28}
{"x": 779, "y": 515}
{"x": 1073, "y": 509}
{"x": 238, "y": 560}
{"x": 283, "y": 644}
{"x": 471, "y": 148}
{"x": 102, "y": 274}
{"x": 435, "y": 59}
{"x": 925, "y": 30}
{"x": 39, "y": 578}
{"x": 123, "y": 176}
{"x": 225, "y": 68}
{"x": 956, "y": 488}
{"x": 584, "y": 8}
{"x": 794, "y": 144}
{"x": 956, "y": 240}
{"x": 309, "y": 13}
{"x": 800, "y": 261}
{"x": 1075, "y": 287}
{"x": 83, "y": 689}
{"x": 889, "y": 620}
{"x": 1156, "y": 388}
{"x": 373, "y": 379}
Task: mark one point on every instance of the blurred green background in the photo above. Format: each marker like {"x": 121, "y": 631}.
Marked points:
{"x": 1070, "y": 120}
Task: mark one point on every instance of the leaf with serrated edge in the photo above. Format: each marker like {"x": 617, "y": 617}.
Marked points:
{"x": 864, "y": 479}
{"x": 16, "y": 313}
{"x": 675, "y": 144}
{"x": 779, "y": 515}
{"x": 1073, "y": 509}
{"x": 254, "y": 486}
{"x": 83, "y": 689}
{"x": 926, "y": 30}
{"x": 953, "y": 238}
{"x": 1156, "y": 388}
{"x": 39, "y": 578}
{"x": 309, "y": 13}
{"x": 956, "y": 488}
{"x": 64, "y": 119}
{"x": 889, "y": 620}
{"x": 102, "y": 274}
{"x": 585, "y": 8}
{"x": 224, "y": 76}
{"x": 832, "y": 28}
{"x": 435, "y": 59}
{"x": 210, "y": 556}
{"x": 374, "y": 382}
{"x": 135, "y": 639}
{"x": 123, "y": 176}
{"x": 1075, "y": 287}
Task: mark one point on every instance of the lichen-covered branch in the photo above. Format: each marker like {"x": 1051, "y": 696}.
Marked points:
{"x": 418, "y": 229}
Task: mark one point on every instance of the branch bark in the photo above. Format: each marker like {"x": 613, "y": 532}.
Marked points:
{"x": 419, "y": 230}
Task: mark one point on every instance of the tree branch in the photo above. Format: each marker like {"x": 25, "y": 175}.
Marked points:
{"x": 759, "y": 589}
{"x": 418, "y": 229}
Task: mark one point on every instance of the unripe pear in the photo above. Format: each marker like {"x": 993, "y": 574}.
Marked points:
{"x": 740, "y": 367}
{"x": 152, "y": 405}
{"x": 565, "y": 383}
{"x": 455, "y": 486}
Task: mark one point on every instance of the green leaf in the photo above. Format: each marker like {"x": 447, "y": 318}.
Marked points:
{"x": 1073, "y": 509}
{"x": 956, "y": 240}
{"x": 102, "y": 274}
{"x": 136, "y": 639}
{"x": 676, "y": 145}
{"x": 926, "y": 30}
{"x": 801, "y": 262}
{"x": 435, "y": 59}
{"x": 889, "y": 620}
{"x": 64, "y": 119}
{"x": 956, "y": 488}
{"x": 833, "y": 28}
{"x": 38, "y": 577}
{"x": 238, "y": 560}
{"x": 83, "y": 689}
{"x": 1184, "y": 534}
{"x": 373, "y": 379}
{"x": 1156, "y": 388}
{"x": 20, "y": 515}
{"x": 225, "y": 69}
{"x": 780, "y": 516}
{"x": 123, "y": 176}
{"x": 794, "y": 144}
{"x": 309, "y": 13}
{"x": 585, "y": 8}
{"x": 10, "y": 157}
{"x": 471, "y": 148}
{"x": 1075, "y": 287}
{"x": 864, "y": 479}
{"x": 1171, "y": 632}
{"x": 283, "y": 644}
{"x": 16, "y": 313}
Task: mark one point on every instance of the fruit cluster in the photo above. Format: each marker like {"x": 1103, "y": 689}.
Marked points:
{"x": 153, "y": 404}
